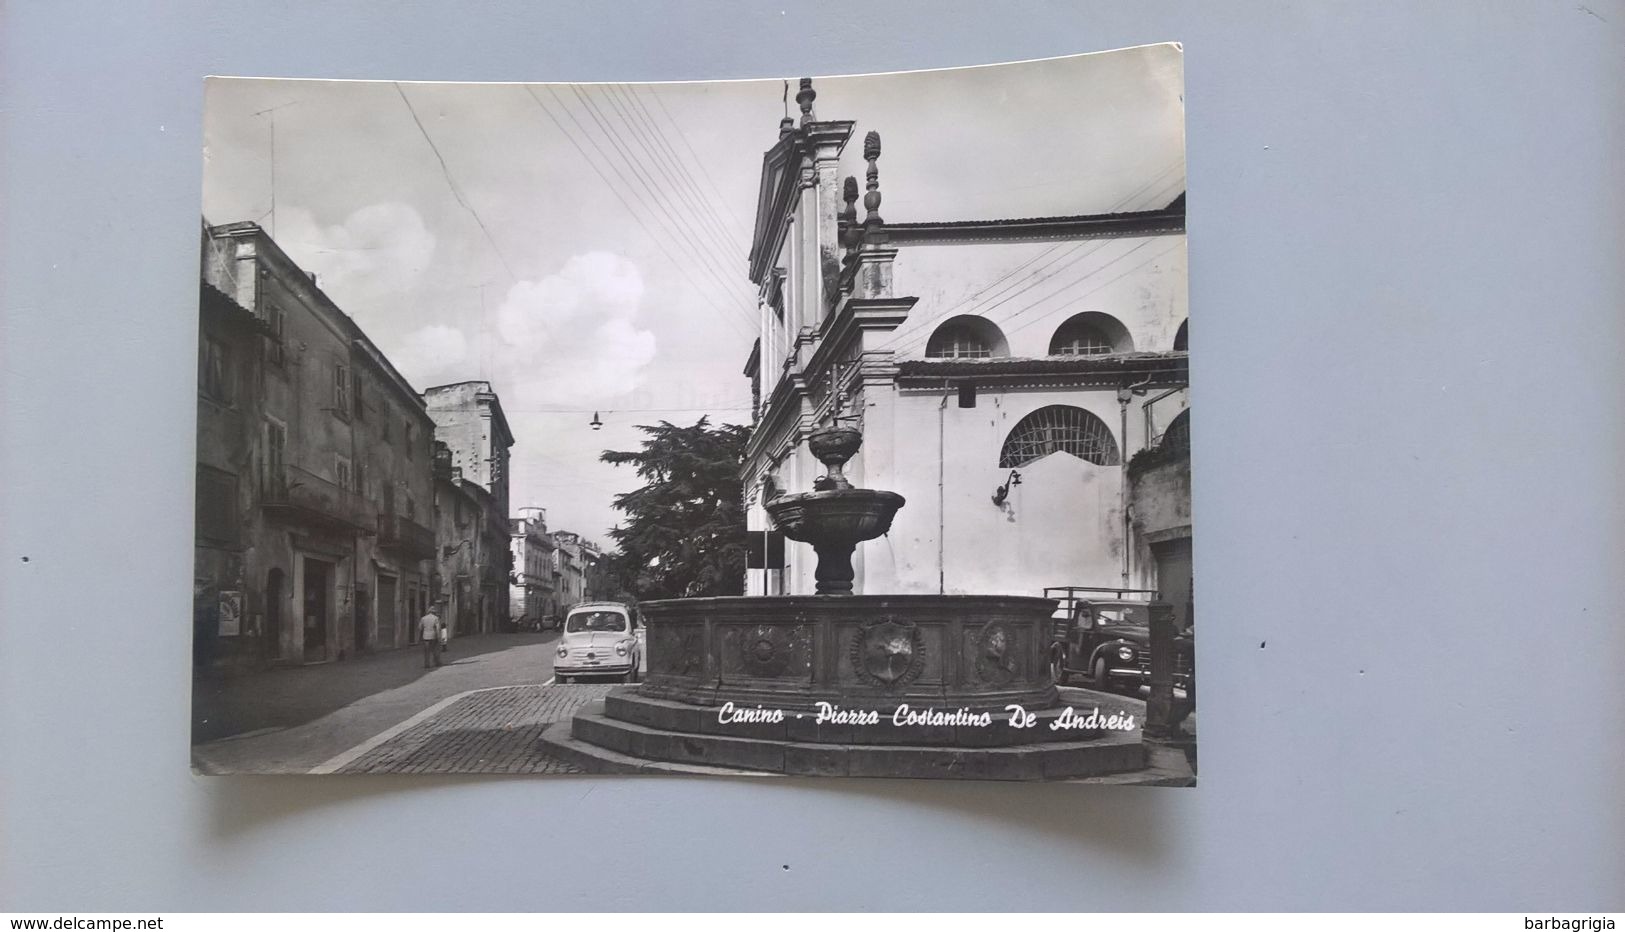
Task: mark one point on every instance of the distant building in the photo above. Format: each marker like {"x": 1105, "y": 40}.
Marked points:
{"x": 570, "y": 576}
{"x": 473, "y": 539}
{"x": 1005, "y": 373}
{"x": 314, "y": 473}
{"x": 531, "y": 600}
{"x": 578, "y": 560}
{"x": 468, "y": 420}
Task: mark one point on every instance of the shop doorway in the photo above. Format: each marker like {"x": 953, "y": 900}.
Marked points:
{"x": 363, "y": 615}
{"x": 387, "y": 609}
{"x": 318, "y": 608}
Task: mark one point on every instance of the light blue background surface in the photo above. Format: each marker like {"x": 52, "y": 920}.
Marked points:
{"x": 1406, "y": 226}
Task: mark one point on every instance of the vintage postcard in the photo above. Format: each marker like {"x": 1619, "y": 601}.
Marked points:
{"x": 807, "y": 426}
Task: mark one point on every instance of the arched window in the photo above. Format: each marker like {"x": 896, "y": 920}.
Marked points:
{"x": 1178, "y": 434}
{"x": 1059, "y": 429}
{"x": 966, "y": 337}
{"x": 1090, "y": 334}
{"x": 1182, "y": 340}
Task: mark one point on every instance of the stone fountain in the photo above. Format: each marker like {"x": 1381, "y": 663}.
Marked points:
{"x": 843, "y": 684}
{"x": 838, "y": 517}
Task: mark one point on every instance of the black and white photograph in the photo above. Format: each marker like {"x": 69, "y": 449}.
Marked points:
{"x": 812, "y": 426}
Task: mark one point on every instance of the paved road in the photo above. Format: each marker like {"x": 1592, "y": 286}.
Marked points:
{"x": 491, "y": 731}
{"x": 290, "y": 720}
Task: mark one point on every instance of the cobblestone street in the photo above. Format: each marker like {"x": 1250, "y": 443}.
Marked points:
{"x": 290, "y": 720}
{"x": 491, "y": 731}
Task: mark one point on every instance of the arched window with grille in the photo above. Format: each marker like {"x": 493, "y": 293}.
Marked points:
{"x": 1059, "y": 429}
{"x": 1178, "y": 434}
{"x": 1182, "y": 339}
{"x": 967, "y": 337}
{"x": 1090, "y": 334}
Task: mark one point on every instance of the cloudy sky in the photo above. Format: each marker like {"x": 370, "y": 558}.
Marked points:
{"x": 583, "y": 247}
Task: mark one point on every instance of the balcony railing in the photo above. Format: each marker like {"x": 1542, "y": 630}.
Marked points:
{"x": 405, "y": 537}
{"x": 301, "y": 496}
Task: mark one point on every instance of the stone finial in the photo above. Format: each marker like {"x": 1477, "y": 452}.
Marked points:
{"x": 849, "y": 214}
{"x": 871, "y": 200}
{"x": 804, "y": 98}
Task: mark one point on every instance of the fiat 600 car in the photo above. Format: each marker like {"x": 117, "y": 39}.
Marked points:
{"x": 599, "y": 639}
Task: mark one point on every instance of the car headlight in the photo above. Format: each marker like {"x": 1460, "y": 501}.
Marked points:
{"x": 563, "y": 652}
{"x": 1125, "y": 653}
{"x": 620, "y": 649}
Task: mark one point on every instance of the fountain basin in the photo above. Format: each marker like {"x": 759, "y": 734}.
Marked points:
{"x": 837, "y": 516}
{"x": 976, "y": 652}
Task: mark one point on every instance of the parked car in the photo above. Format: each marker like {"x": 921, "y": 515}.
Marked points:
{"x": 600, "y": 639}
{"x": 1108, "y": 640}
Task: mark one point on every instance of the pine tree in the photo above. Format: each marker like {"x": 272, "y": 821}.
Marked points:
{"x": 684, "y": 533}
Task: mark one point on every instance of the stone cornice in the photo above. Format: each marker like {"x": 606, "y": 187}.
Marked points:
{"x": 1108, "y": 370}
{"x": 1167, "y": 221}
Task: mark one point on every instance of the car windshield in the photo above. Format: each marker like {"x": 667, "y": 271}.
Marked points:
{"x": 1125, "y": 615}
{"x": 596, "y": 621}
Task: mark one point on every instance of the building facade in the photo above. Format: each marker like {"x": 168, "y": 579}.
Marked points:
{"x": 468, "y": 420}
{"x": 473, "y": 560}
{"x": 531, "y": 600}
{"x": 313, "y": 471}
{"x": 1004, "y": 373}
{"x": 577, "y": 573}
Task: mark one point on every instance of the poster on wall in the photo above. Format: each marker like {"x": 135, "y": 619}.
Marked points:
{"x": 231, "y": 614}
{"x": 830, "y": 426}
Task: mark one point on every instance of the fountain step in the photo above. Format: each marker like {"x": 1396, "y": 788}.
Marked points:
{"x": 637, "y": 745}
{"x": 628, "y": 705}
{"x": 558, "y": 742}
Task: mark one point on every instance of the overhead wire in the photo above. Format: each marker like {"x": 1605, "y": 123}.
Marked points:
{"x": 683, "y": 137}
{"x": 661, "y": 163}
{"x": 685, "y": 234}
{"x": 973, "y": 304}
{"x": 732, "y": 238}
{"x": 451, "y": 182}
{"x": 658, "y": 239}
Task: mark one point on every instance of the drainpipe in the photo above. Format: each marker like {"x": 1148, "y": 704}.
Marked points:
{"x": 1124, "y": 396}
{"x": 942, "y": 523}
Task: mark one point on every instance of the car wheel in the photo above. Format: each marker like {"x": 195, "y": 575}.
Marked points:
{"x": 1100, "y": 678}
{"x": 1057, "y": 668}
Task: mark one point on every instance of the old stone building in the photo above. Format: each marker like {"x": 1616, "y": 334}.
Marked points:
{"x": 578, "y": 579}
{"x": 1004, "y": 370}
{"x": 473, "y": 535}
{"x": 468, "y": 420}
{"x": 531, "y": 600}
{"x": 313, "y": 466}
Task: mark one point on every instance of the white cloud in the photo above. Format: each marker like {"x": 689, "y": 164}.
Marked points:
{"x": 573, "y": 337}
{"x": 378, "y": 251}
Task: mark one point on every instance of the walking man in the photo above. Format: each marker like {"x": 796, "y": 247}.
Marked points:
{"x": 429, "y": 633}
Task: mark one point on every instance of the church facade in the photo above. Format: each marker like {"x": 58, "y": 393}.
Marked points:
{"x": 1022, "y": 382}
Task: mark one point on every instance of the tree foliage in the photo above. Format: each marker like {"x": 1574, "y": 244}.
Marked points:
{"x": 684, "y": 533}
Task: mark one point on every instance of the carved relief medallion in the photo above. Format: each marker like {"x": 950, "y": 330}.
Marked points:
{"x": 888, "y": 652}
{"x": 764, "y": 651}
{"x": 680, "y": 651}
{"x": 995, "y": 654}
